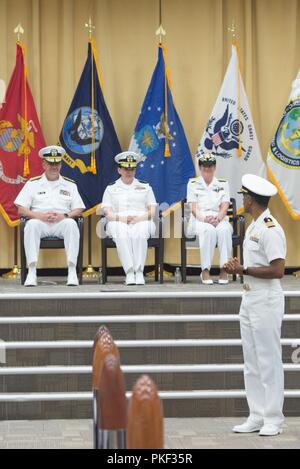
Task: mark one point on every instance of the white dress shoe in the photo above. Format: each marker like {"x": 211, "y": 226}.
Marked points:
{"x": 270, "y": 430}
{"x": 130, "y": 278}
{"x": 139, "y": 278}
{"x": 72, "y": 279}
{"x": 206, "y": 282}
{"x": 31, "y": 280}
{"x": 223, "y": 281}
{"x": 247, "y": 427}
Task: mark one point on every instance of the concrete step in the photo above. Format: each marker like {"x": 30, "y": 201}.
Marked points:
{"x": 167, "y": 377}
{"x": 208, "y": 403}
{"x": 160, "y": 301}
{"x": 128, "y": 327}
{"x": 129, "y": 303}
{"x": 192, "y": 351}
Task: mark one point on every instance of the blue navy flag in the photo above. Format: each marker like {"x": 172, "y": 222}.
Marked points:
{"x": 89, "y": 137}
{"x": 159, "y": 138}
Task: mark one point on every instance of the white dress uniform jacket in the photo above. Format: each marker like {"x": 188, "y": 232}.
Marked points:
{"x": 131, "y": 239}
{"x": 209, "y": 198}
{"x": 41, "y": 195}
{"x": 61, "y": 196}
{"x": 261, "y": 314}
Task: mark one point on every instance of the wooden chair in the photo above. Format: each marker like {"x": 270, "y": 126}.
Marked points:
{"x": 238, "y": 224}
{"x": 51, "y": 242}
{"x": 156, "y": 241}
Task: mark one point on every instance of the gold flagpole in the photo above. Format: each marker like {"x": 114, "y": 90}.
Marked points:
{"x": 15, "y": 272}
{"x": 161, "y": 33}
{"x": 232, "y": 29}
{"x": 90, "y": 272}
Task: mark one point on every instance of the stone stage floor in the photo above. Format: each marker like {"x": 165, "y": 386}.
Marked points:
{"x": 116, "y": 284}
{"x": 210, "y": 433}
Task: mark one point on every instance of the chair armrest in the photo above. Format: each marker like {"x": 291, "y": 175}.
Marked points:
{"x": 242, "y": 226}
{"x": 79, "y": 219}
{"x": 80, "y": 222}
{"x": 239, "y": 225}
{"x": 160, "y": 224}
{"x": 23, "y": 221}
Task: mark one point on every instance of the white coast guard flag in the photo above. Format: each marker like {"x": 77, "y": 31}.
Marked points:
{"x": 283, "y": 160}
{"x": 230, "y": 134}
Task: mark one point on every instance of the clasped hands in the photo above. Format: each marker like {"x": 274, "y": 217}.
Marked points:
{"x": 51, "y": 217}
{"x": 212, "y": 220}
{"x": 129, "y": 219}
{"x": 233, "y": 266}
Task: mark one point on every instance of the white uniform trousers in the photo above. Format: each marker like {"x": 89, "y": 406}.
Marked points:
{"x": 66, "y": 229}
{"x": 209, "y": 237}
{"x": 131, "y": 242}
{"x": 261, "y": 316}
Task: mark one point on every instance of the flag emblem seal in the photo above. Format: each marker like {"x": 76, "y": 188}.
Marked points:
{"x": 146, "y": 139}
{"x": 222, "y": 134}
{"x": 78, "y": 131}
{"x": 20, "y": 140}
{"x": 285, "y": 146}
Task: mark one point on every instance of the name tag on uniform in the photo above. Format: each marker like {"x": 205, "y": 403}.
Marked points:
{"x": 140, "y": 188}
{"x": 199, "y": 189}
{"x": 64, "y": 192}
{"x": 41, "y": 193}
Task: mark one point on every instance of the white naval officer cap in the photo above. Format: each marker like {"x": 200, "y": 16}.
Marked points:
{"x": 257, "y": 185}
{"x": 127, "y": 159}
{"x": 207, "y": 160}
{"x": 52, "y": 153}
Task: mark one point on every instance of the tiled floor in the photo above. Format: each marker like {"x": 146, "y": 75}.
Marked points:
{"x": 195, "y": 433}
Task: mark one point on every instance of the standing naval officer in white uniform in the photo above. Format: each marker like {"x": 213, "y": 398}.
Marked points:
{"x": 50, "y": 201}
{"x": 209, "y": 199}
{"x": 129, "y": 206}
{"x": 262, "y": 310}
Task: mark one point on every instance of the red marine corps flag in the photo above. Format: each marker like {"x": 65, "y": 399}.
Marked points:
{"x": 21, "y": 138}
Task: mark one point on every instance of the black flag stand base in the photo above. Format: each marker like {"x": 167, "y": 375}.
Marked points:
{"x": 90, "y": 272}
{"x": 297, "y": 273}
{"x": 15, "y": 273}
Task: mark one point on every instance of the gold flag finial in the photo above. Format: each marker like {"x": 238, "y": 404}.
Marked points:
{"x": 232, "y": 30}
{"x": 90, "y": 27}
{"x": 160, "y": 32}
{"x": 18, "y": 31}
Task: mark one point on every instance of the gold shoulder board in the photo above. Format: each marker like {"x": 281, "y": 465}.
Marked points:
{"x": 269, "y": 222}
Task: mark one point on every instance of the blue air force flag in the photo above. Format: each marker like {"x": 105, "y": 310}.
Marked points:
{"x": 89, "y": 137}
{"x": 230, "y": 133}
{"x": 159, "y": 138}
{"x": 283, "y": 160}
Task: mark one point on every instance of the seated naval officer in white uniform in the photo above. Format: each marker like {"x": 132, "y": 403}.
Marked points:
{"x": 262, "y": 309}
{"x": 50, "y": 201}
{"x": 129, "y": 207}
{"x": 209, "y": 199}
